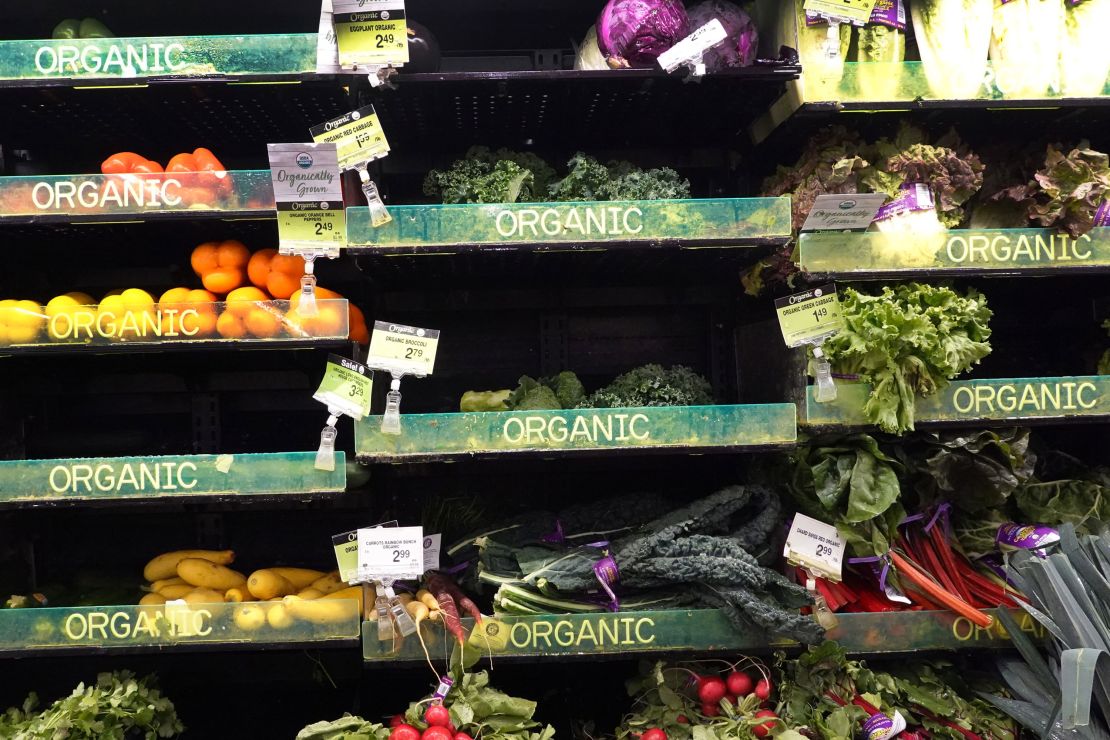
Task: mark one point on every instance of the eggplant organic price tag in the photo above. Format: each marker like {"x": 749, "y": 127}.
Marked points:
{"x": 309, "y": 197}
{"x": 390, "y": 553}
{"x": 371, "y": 32}
{"x": 358, "y": 137}
{"x": 810, "y": 315}
{"x": 815, "y": 546}
{"x": 856, "y": 11}
{"x": 346, "y": 387}
{"x": 404, "y": 349}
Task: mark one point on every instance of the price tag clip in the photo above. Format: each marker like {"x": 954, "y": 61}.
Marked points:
{"x": 379, "y": 214}
{"x": 345, "y": 389}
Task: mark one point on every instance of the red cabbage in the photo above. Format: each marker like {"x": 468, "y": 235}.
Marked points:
{"x": 632, "y": 33}
{"x": 740, "y": 47}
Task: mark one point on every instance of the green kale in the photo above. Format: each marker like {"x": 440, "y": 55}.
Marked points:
{"x": 653, "y": 385}
{"x": 590, "y": 180}
{"x": 483, "y": 176}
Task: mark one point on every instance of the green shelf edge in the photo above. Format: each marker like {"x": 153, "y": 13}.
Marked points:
{"x": 1080, "y": 398}
{"x": 701, "y": 630}
{"x": 134, "y": 628}
{"x": 54, "y": 198}
{"x": 865, "y": 255}
{"x": 145, "y": 58}
{"x": 682, "y": 428}
{"x": 722, "y": 222}
{"x": 166, "y": 477}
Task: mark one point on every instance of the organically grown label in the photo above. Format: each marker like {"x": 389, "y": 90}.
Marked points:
{"x": 843, "y": 212}
{"x": 401, "y": 348}
{"x": 371, "y": 32}
{"x": 308, "y": 193}
{"x": 989, "y": 399}
{"x": 856, "y": 11}
{"x": 810, "y": 315}
{"x": 390, "y": 553}
{"x": 358, "y": 137}
{"x": 816, "y": 546}
{"x": 186, "y": 475}
{"x": 346, "y": 387}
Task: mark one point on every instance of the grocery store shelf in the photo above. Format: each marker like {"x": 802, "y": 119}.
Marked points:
{"x": 175, "y": 627}
{"x": 40, "y": 483}
{"x": 692, "y": 631}
{"x": 156, "y": 59}
{"x": 115, "y": 198}
{"x": 159, "y": 327}
{"x": 439, "y": 229}
{"x": 980, "y": 252}
{"x": 993, "y": 400}
{"x": 674, "y": 429}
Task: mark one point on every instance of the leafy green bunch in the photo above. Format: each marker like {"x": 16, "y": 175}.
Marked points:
{"x": 484, "y": 176}
{"x": 653, "y": 385}
{"x": 589, "y": 179}
{"x": 482, "y": 711}
{"x": 1067, "y": 191}
{"x": 115, "y": 707}
{"x": 908, "y": 341}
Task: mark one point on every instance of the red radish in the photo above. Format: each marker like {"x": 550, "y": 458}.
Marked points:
{"x": 404, "y": 732}
{"x": 654, "y": 734}
{"x": 397, "y": 720}
{"x": 731, "y": 699}
{"x": 764, "y": 727}
{"x": 763, "y": 689}
{"x": 437, "y": 716}
{"x": 739, "y": 684}
{"x": 712, "y": 691}
{"x": 682, "y": 720}
{"x": 437, "y": 733}
{"x": 462, "y": 736}
{"x": 710, "y": 710}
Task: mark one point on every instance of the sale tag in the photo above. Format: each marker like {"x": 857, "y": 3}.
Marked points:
{"x": 815, "y": 546}
{"x": 390, "y": 553}
{"x": 358, "y": 137}
{"x": 346, "y": 387}
{"x": 843, "y": 212}
{"x": 403, "y": 349}
{"x": 809, "y": 316}
{"x": 371, "y": 32}
{"x": 431, "y": 551}
{"x": 308, "y": 193}
{"x": 855, "y": 11}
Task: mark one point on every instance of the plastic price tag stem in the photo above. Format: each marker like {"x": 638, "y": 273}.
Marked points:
{"x": 307, "y": 304}
{"x": 379, "y": 215}
{"x": 397, "y": 609}
{"x": 325, "y": 455}
{"x": 825, "y": 616}
{"x": 385, "y": 621}
{"x": 826, "y": 388}
{"x": 391, "y": 419}
{"x": 832, "y": 41}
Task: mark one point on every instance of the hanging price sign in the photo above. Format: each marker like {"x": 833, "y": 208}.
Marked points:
{"x": 856, "y": 11}
{"x": 404, "y": 349}
{"x": 309, "y": 197}
{"x": 390, "y": 553}
{"x": 810, "y": 315}
{"x": 371, "y": 32}
{"x": 346, "y": 387}
{"x": 358, "y": 137}
{"x": 815, "y": 546}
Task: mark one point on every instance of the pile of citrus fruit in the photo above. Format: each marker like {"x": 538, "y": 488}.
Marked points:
{"x": 245, "y": 296}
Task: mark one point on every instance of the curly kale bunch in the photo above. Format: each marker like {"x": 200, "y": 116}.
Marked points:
{"x": 589, "y": 179}
{"x": 485, "y": 176}
{"x": 653, "y": 385}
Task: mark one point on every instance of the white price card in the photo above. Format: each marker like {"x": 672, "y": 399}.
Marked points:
{"x": 404, "y": 349}
{"x": 844, "y": 212}
{"x": 815, "y": 546}
{"x": 308, "y": 195}
{"x": 390, "y": 553}
{"x": 690, "y": 49}
{"x": 431, "y": 551}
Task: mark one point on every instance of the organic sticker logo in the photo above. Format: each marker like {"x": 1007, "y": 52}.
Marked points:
{"x": 355, "y": 115}
{"x": 817, "y": 293}
{"x": 323, "y": 205}
{"x": 847, "y": 205}
{"x": 304, "y": 160}
{"x": 385, "y": 15}
{"x": 420, "y": 332}
{"x": 492, "y": 628}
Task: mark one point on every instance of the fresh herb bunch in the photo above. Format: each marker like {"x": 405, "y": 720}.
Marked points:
{"x": 114, "y": 708}
{"x": 908, "y": 341}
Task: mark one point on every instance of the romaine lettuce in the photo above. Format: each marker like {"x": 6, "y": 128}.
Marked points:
{"x": 953, "y": 37}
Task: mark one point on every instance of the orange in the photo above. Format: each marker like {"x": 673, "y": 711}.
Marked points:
{"x": 70, "y": 316}
{"x": 204, "y": 258}
{"x": 279, "y": 274}
{"x": 241, "y": 300}
{"x": 259, "y": 266}
{"x": 173, "y": 296}
{"x": 230, "y": 326}
{"x": 222, "y": 279}
{"x": 329, "y": 318}
{"x": 232, "y": 253}
{"x": 263, "y": 322}
{"x": 357, "y": 324}
{"x": 220, "y": 265}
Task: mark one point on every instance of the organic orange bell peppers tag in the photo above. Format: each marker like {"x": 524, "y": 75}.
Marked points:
{"x": 309, "y": 195}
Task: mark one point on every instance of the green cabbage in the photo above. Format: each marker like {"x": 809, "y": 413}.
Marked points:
{"x": 1025, "y": 46}
{"x": 1085, "y": 61}
{"x": 953, "y": 37}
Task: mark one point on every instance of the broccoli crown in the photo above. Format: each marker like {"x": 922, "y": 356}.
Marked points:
{"x": 653, "y": 385}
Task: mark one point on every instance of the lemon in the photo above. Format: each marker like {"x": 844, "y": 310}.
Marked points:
{"x": 20, "y": 321}
{"x": 71, "y": 316}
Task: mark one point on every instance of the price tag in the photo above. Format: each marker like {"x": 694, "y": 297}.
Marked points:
{"x": 404, "y": 349}
{"x": 856, "y": 11}
{"x": 810, "y": 315}
{"x": 690, "y": 49}
{"x": 390, "y": 553}
{"x": 345, "y": 545}
{"x": 327, "y": 53}
{"x": 843, "y": 212}
{"x": 371, "y": 32}
{"x": 431, "y": 551}
{"x": 358, "y": 137}
{"x": 309, "y": 197}
{"x": 816, "y": 546}
{"x": 346, "y": 387}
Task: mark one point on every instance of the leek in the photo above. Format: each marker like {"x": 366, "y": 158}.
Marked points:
{"x": 1026, "y": 37}
{"x": 953, "y": 37}
{"x": 1085, "y": 61}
